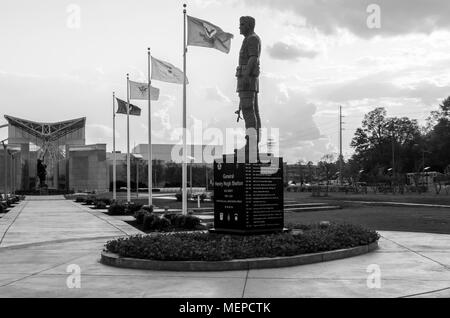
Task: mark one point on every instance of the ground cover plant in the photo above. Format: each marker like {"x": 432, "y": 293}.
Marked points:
{"x": 203, "y": 246}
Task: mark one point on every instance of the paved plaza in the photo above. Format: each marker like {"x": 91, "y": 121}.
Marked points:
{"x": 42, "y": 236}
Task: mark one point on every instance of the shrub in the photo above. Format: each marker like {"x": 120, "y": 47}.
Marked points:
{"x": 89, "y": 201}
{"x": 171, "y": 217}
{"x": 148, "y": 208}
{"x": 80, "y": 199}
{"x": 131, "y": 208}
{"x": 100, "y": 205}
{"x": 183, "y": 222}
{"x": 139, "y": 216}
{"x": 155, "y": 223}
{"x": 162, "y": 224}
{"x": 148, "y": 220}
{"x": 116, "y": 209}
{"x": 104, "y": 200}
{"x": 187, "y": 222}
{"x": 216, "y": 247}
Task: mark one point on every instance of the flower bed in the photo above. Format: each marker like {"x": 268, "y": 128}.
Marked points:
{"x": 217, "y": 247}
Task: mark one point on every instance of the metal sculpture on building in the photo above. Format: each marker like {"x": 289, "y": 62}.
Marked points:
{"x": 51, "y": 141}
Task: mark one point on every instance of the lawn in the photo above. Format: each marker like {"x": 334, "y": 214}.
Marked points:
{"x": 157, "y": 199}
{"x": 412, "y": 219}
{"x": 388, "y": 218}
{"x": 417, "y": 219}
{"x": 425, "y": 198}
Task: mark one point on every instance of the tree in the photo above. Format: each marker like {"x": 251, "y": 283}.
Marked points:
{"x": 384, "y": 142}
{"x": 327, "y": 166}
{"x": 438, "y": 137}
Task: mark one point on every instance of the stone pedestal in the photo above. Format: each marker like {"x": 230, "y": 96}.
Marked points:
{"x": 248, "y": 197}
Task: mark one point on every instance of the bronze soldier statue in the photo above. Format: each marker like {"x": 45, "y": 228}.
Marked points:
{"x": 247, "y": 74}
{"x": 41, "y": 172}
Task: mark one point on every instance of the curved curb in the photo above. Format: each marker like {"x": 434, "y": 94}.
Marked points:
{"x": 115, "y": 260}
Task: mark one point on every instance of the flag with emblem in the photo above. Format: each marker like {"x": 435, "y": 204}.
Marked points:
{"x": 122, "y": 108}
{"x": 140, "y": 91}
{"x": 205, "y": 34}
{"x": 166, "y": 72}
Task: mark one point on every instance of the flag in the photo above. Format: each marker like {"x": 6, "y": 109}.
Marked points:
{"x": 122, "y": 109}
{"x": 166, "y": 72}
{"x": 139, "y": 91}
{"x": 205, "y": 34}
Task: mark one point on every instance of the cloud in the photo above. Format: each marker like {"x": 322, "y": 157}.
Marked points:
{"x": 98, "y": 133}
{"x": 284, "y": 51}
{"x": 216, "y": 95}
{"x": 379, "y": 86}
{"x": 397, "y": 17}
{"x": 290, "y": 112}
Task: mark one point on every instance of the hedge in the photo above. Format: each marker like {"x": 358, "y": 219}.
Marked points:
{"x": 166, "y": 222}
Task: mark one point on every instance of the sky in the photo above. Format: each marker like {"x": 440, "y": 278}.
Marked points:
{"x": 63, "y": 59}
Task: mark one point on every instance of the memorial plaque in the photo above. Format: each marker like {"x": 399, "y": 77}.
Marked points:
{"x": 248, "y": 197}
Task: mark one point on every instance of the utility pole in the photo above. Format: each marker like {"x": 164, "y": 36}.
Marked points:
{"x": 393, "y": 158}
{"x": 340, "y": 145}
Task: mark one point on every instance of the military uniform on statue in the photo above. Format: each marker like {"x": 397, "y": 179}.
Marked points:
{"x": 247, "y": 74}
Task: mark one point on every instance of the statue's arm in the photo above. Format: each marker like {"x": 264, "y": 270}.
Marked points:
{"x": 252, "y": 63}
{"x": 253, "y": 50}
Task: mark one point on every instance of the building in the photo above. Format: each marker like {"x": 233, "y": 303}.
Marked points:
{"x": 166, "y": 164}
{"x": 70, "y": 164}
{"x": 173, "y": 152}
{"x": 300, "y": 173}
{"x": 427, "y": 178}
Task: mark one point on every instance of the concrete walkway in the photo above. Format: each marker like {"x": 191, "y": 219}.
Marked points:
{"x": 52, "y": 218}
{"x": 40, "y": 239}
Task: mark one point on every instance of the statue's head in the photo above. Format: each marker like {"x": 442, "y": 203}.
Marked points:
{"x": 246, "y": 25}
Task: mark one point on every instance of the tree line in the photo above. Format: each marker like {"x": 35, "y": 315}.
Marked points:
{"x": 386, "y": 148}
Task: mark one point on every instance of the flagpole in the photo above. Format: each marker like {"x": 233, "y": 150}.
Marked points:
{"x": 128, "y": 142}
{"x": 114, "y": 148}
{"x": 150, "y": 154}
{"x": 184, "y": 168}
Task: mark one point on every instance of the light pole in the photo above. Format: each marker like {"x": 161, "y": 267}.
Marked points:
{"x": 206, "y": 177}
{"x": 13, "y": 170}
{"x": 5, "y": 146}
{"x": 137, "y": 157}
{"x": 191, "y": 159}
{"x": 423, "y": 162}
{"x": 393, "y": 159}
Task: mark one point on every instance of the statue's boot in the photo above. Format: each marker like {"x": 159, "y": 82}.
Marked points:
{"x": 252, "y": 152}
